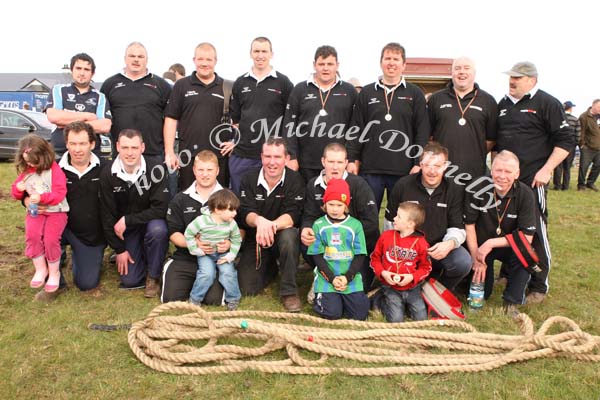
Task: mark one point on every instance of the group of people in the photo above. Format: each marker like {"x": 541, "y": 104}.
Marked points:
{"x": 308, "y": 167}
{"x": 587, "y": 134}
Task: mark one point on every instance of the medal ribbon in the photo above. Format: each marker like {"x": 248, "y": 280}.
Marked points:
{"x": 464, "y": 110}
{"x": 323, "y": 102}
{"x": 498, "y": 216}
{"x": 388, "y": 103}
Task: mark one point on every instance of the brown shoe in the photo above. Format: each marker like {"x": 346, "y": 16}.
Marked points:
{"x": 152, "y": 287}
{"x": 511, "y": 310}
{"x": 534, "y": 298}
{"x": 48, "y": 297}
{"x": 291, "y": 303}
{"x": 501, "y": 280}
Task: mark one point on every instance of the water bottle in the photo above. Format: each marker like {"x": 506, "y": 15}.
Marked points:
{"x": 476, "y": 295}
{"x": 33, "y": 209}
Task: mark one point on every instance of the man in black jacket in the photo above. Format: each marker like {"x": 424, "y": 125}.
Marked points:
{"x": 270, "y": 211}
{"x": 443, "y": 201}
{"x": 390, "y": 126}
{"x": 134, "y": 200}
{"x": 532, "y": 125}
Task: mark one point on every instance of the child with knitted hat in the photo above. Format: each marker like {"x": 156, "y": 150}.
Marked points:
{"x": 339, "y": 251}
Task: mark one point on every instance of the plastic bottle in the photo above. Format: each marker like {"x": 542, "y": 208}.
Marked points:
{"x": 476, "y": 295}
{"x": 33, "y": 209}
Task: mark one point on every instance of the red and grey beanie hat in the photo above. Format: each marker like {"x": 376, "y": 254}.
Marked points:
{"x": 337, "y": 189}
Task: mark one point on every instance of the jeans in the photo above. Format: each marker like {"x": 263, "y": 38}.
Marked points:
{"x": 205, "y": 277}
{"x": 450, "y": 271}
{"x": 379, "y": 183}
{"x": 394, "y": 301}
{"x": 238, "y": 167}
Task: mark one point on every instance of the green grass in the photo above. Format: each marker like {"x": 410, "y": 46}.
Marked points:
{"x": 47, "y": 351}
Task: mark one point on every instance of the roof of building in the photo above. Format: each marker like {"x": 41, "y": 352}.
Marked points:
{"x": 31, "y": 82}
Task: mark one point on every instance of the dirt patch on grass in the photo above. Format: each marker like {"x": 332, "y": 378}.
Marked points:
{"x": 5, "y": 195}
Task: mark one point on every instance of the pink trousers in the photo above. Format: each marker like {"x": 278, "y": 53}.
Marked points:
{"x": 43, "y": 233}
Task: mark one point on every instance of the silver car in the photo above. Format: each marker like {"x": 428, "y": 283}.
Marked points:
{"x": 14, "y": 124}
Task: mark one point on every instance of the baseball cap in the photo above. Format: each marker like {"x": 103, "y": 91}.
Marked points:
{"x": 337, "y": 189}
{"x": 568, "y": 104}
{"x": 523, "y": 68}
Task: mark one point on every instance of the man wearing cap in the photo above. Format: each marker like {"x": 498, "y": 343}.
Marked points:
{"x": 590, "y": 147}
{"x": 562, "y": 173}
{"x": 463, "y": 119}
{"x": 532, "y": 124}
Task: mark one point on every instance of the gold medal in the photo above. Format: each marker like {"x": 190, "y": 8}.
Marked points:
{"x": 462, "y": 121}
{"x": 388, "y": 117}
{"x": 498, "y": 231}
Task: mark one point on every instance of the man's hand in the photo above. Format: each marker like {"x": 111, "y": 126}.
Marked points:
{"x": 352, "y": 168}
{"x": 123, "y": 261}
{"x": 483, "y": 251}
{"x": 440, "y": 250}
{"x": 171, "y": 160}
{"x": 292, "y": 164}
{"x": 307, "y": 236}
{"x": 265, "y": 231}
{"x": 541, "y": 178}
{"x": 222, "y": 260}
{"x": 479, "y": 271}
{"x": 223, "y": 246}
{"x": 227, "y": 147}
{"x": 120, "y": 227}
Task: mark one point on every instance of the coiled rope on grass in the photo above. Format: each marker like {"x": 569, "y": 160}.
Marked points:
{"x": 199, "y": 342}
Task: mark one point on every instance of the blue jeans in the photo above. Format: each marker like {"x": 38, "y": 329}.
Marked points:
{"x": 379, "y": 183}
{"x": 238, "y": 167}
{"x": 450, "y": 271}
{"x": 205, "y": 277}
{"x": 394, "y": 302}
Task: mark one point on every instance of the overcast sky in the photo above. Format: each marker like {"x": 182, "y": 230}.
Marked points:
{"x": 559, "y": 37}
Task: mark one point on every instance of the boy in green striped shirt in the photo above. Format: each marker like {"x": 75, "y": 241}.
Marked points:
{"x": 339, "y": 251}
{"x": 215, "y": 224}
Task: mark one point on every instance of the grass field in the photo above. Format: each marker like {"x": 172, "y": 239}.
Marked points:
{"x": 47, "y": 351}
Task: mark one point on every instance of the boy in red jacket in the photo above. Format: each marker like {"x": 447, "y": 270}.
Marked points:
{"x": 401, "y": 263}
